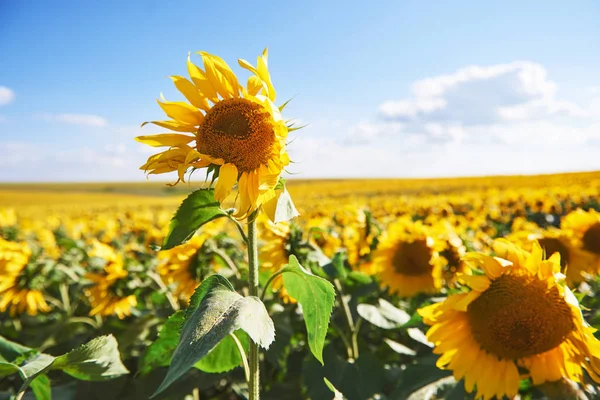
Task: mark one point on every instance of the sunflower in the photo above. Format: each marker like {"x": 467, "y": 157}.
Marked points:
{"x": 407, "y": 259}
{"x": 238, "y": 132}
{"x": 576, "y": 263}
{"x": 518, "y": 315}
{"x": 17, "y": 292}
{"x": 584, "y": 227}
{"x": 179, "y": 266}
{"x": 107, "y": 295}
{"x": 275, "y": 253}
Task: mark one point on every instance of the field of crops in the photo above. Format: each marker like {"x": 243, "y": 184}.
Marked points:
{"x": 79, "y": 261}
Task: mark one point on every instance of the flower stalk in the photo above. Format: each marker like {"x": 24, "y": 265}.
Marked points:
{"x": 254, "y": 381}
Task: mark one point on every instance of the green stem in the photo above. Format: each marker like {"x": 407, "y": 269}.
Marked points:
{"x": 254, "y": 381}
{"x": 243, "y": 355}
{"x": 239, "y": 227}
{"x": 348, "y": 314}
{"x": 275, "y": 275}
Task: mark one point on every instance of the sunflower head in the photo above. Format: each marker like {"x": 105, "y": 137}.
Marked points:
{"x": 518, "y": 315}
{"x": 408, "y": 260}
{"x": 236, "y": 131}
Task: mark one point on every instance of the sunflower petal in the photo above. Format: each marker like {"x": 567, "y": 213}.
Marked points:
{"x": 165, "y": 139}
{"x": 228, "y": 175}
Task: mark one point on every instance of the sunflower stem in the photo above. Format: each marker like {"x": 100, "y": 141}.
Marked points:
{"x": 254, "y": 381}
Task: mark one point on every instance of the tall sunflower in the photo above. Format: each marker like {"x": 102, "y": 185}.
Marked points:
{"x": 237, "y": 131}
{"x": 408, "y": 260}
{"x": 518, "y": 315}
{"x": 18, "y": 292}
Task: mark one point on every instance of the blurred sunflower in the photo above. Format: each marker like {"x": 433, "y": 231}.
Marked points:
{"x": 275, "y": 253}
{"x": 519, "y": 313}
{"x": 584, "y": 227}
{"x": 321, "y": 236}
{"x": 407, "y": 259}
{"x": 241, "y": 133}
{"x": 577, "y": 264}
{"x": 179, "y": 266}
{"x": 109, "y": 294}
{"x": 17, "y": 283}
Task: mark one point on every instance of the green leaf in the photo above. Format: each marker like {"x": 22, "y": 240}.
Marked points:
{"x": 360, "y": 277}
{"x": 418, "y": 375}
{"x": 196, "y": 210}
{"x": 384, "y": 316}
{"x": 316, "y": 296}
{"x": 160, "y": 352}
{"x": 7, "y": 369}
{"x": 11, "y": 350}
{"x": 335, "y": 268}
{"x": 225, "y": 356}
{"x": 41, "y": 387}
{"x": 337, "y": 394}
{"x": 96, "y": 360}
{"x": 215, "y": 312}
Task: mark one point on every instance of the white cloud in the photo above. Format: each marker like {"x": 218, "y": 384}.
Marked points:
{"x": 76, "y": 119}
{"x": 7, "y": 96}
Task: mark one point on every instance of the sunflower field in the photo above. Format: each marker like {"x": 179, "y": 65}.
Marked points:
{"x": 231, "y": 282}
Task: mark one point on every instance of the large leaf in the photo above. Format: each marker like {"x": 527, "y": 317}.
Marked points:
{"x": 316, "y": 296}
{"x": 215, "y": 312}
{"x": 281, "y": 208}
{"x": 97, "y": 360}
{"x": 196, "y": 210}
{"x": 160, "y": 352}
{"x": 385, "y": 315}
{"x": 222, "y": 358}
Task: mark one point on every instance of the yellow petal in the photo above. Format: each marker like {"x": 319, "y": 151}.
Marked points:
{"x": 479, "y": 283}
{"x": 174, "y": 126}
{"x": 201, "y": 81}
{"x": 190, "y": 92}
{"x": 166, "y": 139}
{"x": 228, "y": 175}
{"x": 181, "y": 111}
{"x": 220, "y": 75}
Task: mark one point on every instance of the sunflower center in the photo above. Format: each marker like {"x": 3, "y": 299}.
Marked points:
{"x": 239, "y": 131}
{"x": 519, "y": 316}
{"x": 591, "y": 238}
{"x": 553, "y": 245}
{"x": 413, "y": 258}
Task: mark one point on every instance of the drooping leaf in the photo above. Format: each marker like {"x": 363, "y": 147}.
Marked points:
{"x": 7, "y": 369}
{"x": 281, "y": 208}
{"x": 316, "y": 296}
{"x": 419, "y": 336}
{"x": 196, "y": 210}
{"x": 96, "y": 360}
{"x": 160, "y": 352}
{"x": 215, "y": 312}
{"x": 384, "y": 315}
{"x": 360, "y": 277}
{"x": 417, "y": 376}
{"x": 225, "y": 356}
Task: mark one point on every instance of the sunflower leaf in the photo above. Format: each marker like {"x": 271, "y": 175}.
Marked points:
{"x": 384, "y": 316}
{"x": 196, "y": 210}
{"x": 216, "y": 310}
{"x": 316, "y": 296}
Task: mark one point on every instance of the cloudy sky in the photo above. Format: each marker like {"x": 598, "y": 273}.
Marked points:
{"x": 387, "y": 88}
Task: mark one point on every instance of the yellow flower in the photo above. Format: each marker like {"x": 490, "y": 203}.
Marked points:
{"x": 519, "y": 314}
{"x": 274, "y": 254}
{"x": 576, "y": 263}
{"x": 237, "y": 129}
{"x": 177, "y": 266}
{"x": 407, "y": 259}
{"x": 105, "y": 295}
{"x": 584, "y": 228}
{"x": 15, "y": 295}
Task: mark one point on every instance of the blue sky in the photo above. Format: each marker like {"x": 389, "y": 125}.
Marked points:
{"x": 388, "y": 88}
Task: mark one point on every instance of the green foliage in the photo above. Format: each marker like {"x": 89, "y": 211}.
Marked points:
{"x": 216, "y": 311}
{"x": 98, "y": 359}
{"x": 385, "y": 315}
{"x": 196, "y": 210}
{"x": 316, "y": 296}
